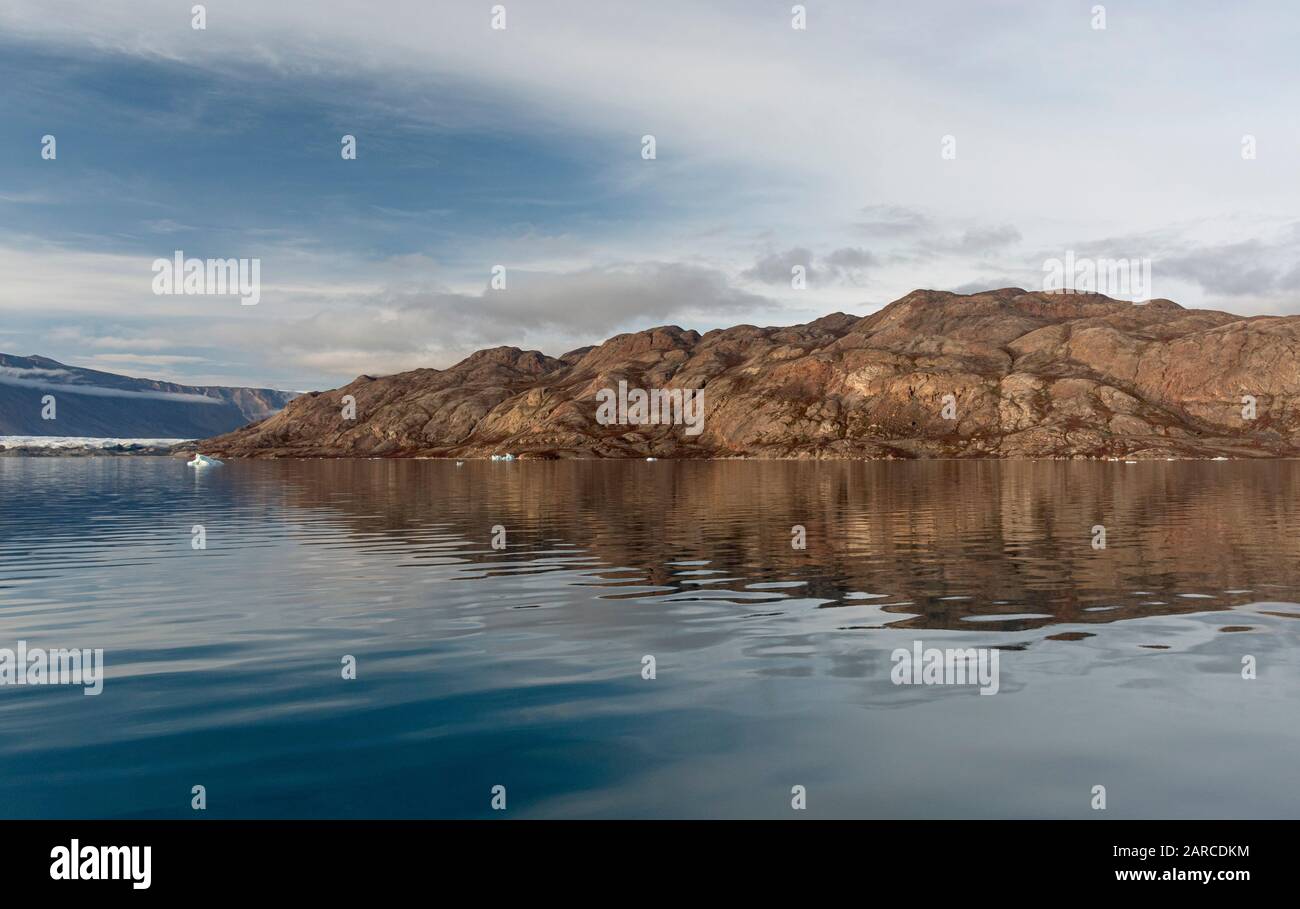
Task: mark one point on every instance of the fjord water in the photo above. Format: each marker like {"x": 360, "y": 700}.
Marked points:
{"x": 522, "y": 667}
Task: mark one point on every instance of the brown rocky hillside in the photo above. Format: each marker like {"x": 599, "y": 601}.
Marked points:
{"x": 1032, "y": 374}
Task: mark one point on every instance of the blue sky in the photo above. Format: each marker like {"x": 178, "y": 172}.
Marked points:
{"x": 155, "y": 152}
{"x": 522, "y": 148}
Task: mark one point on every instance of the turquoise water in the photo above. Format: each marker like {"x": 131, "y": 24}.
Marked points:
{"x": 523, "y": 666}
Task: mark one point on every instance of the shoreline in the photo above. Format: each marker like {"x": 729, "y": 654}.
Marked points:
{"x": 163, "y": 453}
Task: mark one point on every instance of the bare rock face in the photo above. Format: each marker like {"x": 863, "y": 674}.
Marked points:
{"x": 1006, "y": 373}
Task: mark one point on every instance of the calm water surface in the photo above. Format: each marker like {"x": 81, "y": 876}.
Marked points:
{"x": 522, "y": 667}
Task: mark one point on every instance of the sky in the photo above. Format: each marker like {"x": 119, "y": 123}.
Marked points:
{"x": 884, "y": 147}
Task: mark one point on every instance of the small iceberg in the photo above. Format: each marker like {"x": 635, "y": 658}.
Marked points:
{"x": 203, "y": 461}
{"x": 504, "y": 457}
{"x": 652, "y": 459}
{"x": 460, "y": 463}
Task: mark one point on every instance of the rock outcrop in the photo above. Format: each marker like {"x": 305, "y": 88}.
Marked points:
{"x": 1006, "y": 373}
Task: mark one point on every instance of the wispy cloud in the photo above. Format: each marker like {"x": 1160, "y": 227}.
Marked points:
{"x": 52, "y": 383}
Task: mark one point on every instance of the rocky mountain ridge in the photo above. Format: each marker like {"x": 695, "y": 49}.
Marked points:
{"x": 1007, "y": 373}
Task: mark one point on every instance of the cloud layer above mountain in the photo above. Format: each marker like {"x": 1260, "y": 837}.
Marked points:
{"x": 521, "y": 149}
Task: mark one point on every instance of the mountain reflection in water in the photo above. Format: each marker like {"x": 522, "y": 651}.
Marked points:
{"x": 1119, "y": 666}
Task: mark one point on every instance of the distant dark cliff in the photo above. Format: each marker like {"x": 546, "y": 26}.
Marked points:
{"x": 101, "y": 404}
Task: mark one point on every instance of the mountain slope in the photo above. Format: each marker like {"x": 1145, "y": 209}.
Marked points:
{"x": 101, "y": 404}
{"x": 1031, "y": 374}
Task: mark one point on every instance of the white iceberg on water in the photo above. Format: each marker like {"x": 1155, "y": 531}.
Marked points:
{"x": 203, "y": 461}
